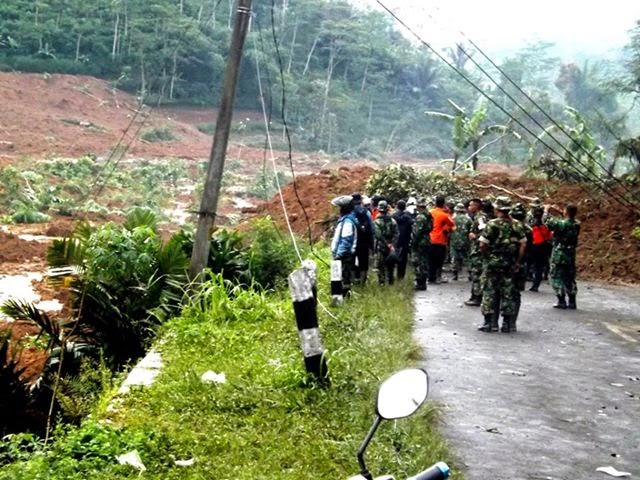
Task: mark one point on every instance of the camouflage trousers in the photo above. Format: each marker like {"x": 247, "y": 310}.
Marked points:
{"x": 475, "y": 271}
{"x": 563, "y": 279}
{"x": 499, "y": 293}
{"x": 458, "y": 258}
{"x": 385, "y": 268}
{"x": 420, "y": 260}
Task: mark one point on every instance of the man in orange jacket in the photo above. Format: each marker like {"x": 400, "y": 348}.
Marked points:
{"x": 442, "y": 226}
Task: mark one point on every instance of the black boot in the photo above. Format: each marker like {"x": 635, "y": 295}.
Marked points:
{"x": 455, "y": 276}
{"x": 420, "y": 285}
{"x": 508, "y": 324}
{"x": 562, "y": 304}
{"x": 474, "y": 301}
{"x": 572, "y": 302}
{"x": 494, "y": 321}
{"x": 487, "y": 326}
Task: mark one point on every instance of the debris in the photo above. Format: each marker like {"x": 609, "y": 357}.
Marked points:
{"x": 617, "y": 385}
{"x": 133, "y": 459}
{"x": 609, "y": 470}
{"x": 185, "y": 463}
{"x": 513, "y": 372}
{"x": 212, "y": 377}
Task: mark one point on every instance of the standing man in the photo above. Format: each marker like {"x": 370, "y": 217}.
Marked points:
{"x": 404, "y": 220}
{"x": 502, "y": 245}
{"x": 345, "y": 237}
{"x": 459, "y": 244}
{"x": 442, "y": 227}
{"x": 365, "y": 241}
{"x": 480, "y": 213}
{"x": 519, "y": 214}
{"x": 563, "y": 256}
{"x": 540, "y": 248}
{"x": 386, "y": 237}
{"x": 420, "y": 243}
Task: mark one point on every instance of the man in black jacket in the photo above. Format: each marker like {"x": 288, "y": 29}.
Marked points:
{"x": 405, "y": 222}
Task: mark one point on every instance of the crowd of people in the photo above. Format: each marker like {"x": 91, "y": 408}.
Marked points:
{"x": 502, "y": 246}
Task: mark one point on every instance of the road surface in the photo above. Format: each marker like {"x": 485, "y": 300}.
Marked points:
{"x": 556, "y": 400}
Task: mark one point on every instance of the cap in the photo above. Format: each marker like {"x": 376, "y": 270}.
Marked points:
{"x": 357, "y": 197}
{"x": 421, "y": 202}
{"x": 342, "y": 201}
{"x": 383, "y": 206}
{"x": 503, "y": 203}
{"x": 535, "y": 202}
{"x": 459, "y": 208}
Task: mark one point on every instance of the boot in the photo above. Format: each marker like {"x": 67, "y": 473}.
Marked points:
{"x": 508, "y": 324}
{"x": 494, "y": 321}
{"x": 512, "y": 324}
{"x": 420, "y": 285}
{"x": 488, "y": 322}
{"x": 455, "y": 276}
{"x": 474, "y": 301}
{"x": 572, "y": 302}
{"x": 562, "y": 304}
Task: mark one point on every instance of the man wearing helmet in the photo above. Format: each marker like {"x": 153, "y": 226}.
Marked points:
{"x": 502, "y": 245}
{"x": 386, "y": 237}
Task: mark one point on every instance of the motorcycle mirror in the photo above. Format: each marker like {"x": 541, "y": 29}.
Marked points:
{"x": 402, "y": 393}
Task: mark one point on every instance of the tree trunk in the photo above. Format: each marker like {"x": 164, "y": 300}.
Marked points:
{"x": 364, "y": 75}
{"x": 313, "y": 47}
{"x": 114, "y": 47}
{"x": 78, "y": 47}
{"x": 327, "y": 88}
{"x": 474, "y": 160}
{"x": 292, "y": 47}
{"x": 174, "y": 72}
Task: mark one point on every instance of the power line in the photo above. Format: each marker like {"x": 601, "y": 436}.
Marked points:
{"x": 537, "y": 105}
{"x": 468, "y": 80}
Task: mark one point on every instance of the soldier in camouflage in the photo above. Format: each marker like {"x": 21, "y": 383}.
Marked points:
{"x": 459, "y": 242}
{"x": 386, "y": 237}
{"x": 481, "y": 212}
{"x": 502, "y": 245}
{"x": 420, "y": 243}
{"x": 519, "y": 214}
{"x": 563, "y": 256}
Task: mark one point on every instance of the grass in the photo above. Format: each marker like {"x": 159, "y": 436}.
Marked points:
{"x": 268, "y": 421}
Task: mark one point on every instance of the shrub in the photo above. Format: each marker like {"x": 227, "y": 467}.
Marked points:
{"x": 271, "y": 257}
{"x": 207, "y": 128}
{"x": 159, "y": 134}
{"x": 399, "y": 182}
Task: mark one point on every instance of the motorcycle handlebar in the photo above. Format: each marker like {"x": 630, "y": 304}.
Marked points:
{"x": 439, "y": 471}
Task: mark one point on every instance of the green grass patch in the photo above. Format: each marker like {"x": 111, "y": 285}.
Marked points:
{"x": 268, "y": 421}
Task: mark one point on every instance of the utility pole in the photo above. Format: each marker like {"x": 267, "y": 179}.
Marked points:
{"x": 209, "y": 203}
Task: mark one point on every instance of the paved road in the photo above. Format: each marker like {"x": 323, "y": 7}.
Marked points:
{"x": 556, "y": 400}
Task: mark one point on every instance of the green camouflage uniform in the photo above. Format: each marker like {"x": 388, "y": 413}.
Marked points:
{"x": 386, "y": 235}
{"x": 503, "y": 238}
{"x": 459, "y": 242}
{"x": 420, "y": 243}
{"x": 475, "y": 258}
{"x": 563, "y": 256}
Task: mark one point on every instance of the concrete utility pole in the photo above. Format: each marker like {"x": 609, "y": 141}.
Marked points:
{"x": 209, "y": 203}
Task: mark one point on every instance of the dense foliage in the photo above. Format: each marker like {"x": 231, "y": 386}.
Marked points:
{"x": 253, "y": 425}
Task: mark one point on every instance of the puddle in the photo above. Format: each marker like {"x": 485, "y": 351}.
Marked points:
{"x": 20, "y": 287}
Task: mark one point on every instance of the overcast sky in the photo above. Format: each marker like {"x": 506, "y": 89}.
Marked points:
{"x": 589, "y": 26}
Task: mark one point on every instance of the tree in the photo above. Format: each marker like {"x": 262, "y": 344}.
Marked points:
{"x": 469, "y": 130}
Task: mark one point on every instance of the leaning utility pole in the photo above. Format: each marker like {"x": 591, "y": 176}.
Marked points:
{"x": 209, "y": 203}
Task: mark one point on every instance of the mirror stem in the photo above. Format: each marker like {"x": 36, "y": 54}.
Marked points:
{"x": 365, "y": 443}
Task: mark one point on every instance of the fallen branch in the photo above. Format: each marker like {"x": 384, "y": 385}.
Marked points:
{"x": 502, "y": 189}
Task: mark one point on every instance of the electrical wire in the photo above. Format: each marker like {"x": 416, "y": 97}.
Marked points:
{"x": 532, "y": 100}
{"x": 275, "y": 172}
{"x": 579, "y": 173}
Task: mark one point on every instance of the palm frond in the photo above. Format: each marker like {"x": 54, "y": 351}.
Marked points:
{"x": 27, "y": 311}
{"x": 141, "y": 217}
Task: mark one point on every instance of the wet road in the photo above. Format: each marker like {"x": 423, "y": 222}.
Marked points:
{"x": 556, "y": 400}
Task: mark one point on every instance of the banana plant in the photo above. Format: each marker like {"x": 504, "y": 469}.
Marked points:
{"x": 469, "y": 130}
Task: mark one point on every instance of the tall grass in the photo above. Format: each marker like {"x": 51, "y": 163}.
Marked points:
{"x": 268, "y": 421}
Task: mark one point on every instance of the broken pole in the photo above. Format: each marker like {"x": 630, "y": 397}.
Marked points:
{"x": 209, "y": 202}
